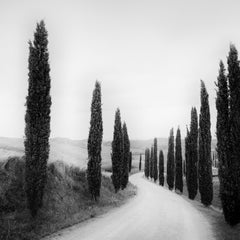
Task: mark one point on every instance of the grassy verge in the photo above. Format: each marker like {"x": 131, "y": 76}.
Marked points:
{"x": 221, "y": 230}
{"x": 66, "y": 201}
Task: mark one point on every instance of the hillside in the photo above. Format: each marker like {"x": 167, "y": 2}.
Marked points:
{"x": 74, "y": 152}
{"x": 66, "y": 200}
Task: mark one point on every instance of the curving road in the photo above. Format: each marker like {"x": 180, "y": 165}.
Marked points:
{"x": 155, "y": 213}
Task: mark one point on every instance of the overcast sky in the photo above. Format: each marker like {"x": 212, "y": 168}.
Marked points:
{"x": 148, "y": 55}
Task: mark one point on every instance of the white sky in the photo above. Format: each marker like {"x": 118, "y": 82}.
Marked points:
{"x": 149, "y": 56}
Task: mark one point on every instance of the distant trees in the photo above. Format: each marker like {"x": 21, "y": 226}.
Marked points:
{"x": 95, "y": 144}
{"x": 140, "y": 162}
{"x": 126, "y": 156}
{"x": 228, "y": 136}
{"x": 170, "y": 161}
{"x": 178, "y": 160}
{"x": 117, "y": 151}
{"x": 155, "y": 158}
{"x": 37, "y": 119}
{"x": 146, "y": 165}
{"x": 192, "y": 155}
{"x": 205, "y": 161}
{"x": 161, "y": 168}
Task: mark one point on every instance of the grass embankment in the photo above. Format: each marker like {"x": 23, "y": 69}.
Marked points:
{"x": 221, "y": 229}
{"x": 66, "y": 200}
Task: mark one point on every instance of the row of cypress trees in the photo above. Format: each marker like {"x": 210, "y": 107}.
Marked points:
{"x": 37, "y": 130}
{"x": 228, "y": 136}
{"x": 155, "y": 169}
{"x": 121, "y": 156}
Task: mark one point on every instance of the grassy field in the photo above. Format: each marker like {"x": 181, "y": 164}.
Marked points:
{"x": 66, "y": 200}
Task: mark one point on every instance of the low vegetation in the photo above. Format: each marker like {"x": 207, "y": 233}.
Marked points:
{"x": 66, "y": 201}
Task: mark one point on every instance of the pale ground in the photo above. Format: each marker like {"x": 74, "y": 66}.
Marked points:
{"x": 155, "y": 213}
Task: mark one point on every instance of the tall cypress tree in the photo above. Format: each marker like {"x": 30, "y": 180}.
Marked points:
{"x": 155, "y": 157}
{"x": 37, "y": 119}
{"x": 192, "y": 174}
{"x": 161, "y": 168}
{"x": 225, "y": 171}
{"x": 117, "y": 152}
{"x": 187, "y": 157}
{"x": 151, "y": 163}
{"x": 170, "y": 161}
{"x": 178, "y": 159}
{"x": 140, "y": 163}
{"x": 205, "y": 162}
{"x": 146, "y": 166}
{"x": 95, "y": 144}
{"x": 126, "y": 156}
{"x": 232, "y": 215}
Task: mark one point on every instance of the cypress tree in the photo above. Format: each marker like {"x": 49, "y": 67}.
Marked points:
{"x": 117, "y": 152}
{"x": 187, "y": 157}
{"x": 37, "y": 119}
{"x": 234, "y": 134}
{"x": 170, "y": 161}
{"x": 155, "y": 167}
{"x": 95, "y": 144}
{"x": 126, "y": 155}
{"x": 192, "y": 158}
{"x": 151, "y": 163}
{"x": 205, "y": 162}
{"x": 178, "y": 159}
{"x": 161, "y": 168}
{"x": 225, "y": 175}
{"x": 146, "y": 166}
{"x": 140, "y": 163}
{"x": 228, "y": 134}
{"x": 130, "y": 161}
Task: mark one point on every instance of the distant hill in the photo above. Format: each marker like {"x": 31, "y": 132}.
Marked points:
{"x": 74, "y": 152}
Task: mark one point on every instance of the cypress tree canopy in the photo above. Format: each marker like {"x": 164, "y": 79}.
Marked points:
{"x": 117, "y": 152}
{"x": 170, "y": 161}
{"x": 205, "y": 162}
{"x": 126, "y": 156}
{"x": 178, "y": 159}
{"x": 95, "y": 144}
{"x": 37, "y": 119}
{"x": 155, "y": 167}
{"x": 161, "y": 168}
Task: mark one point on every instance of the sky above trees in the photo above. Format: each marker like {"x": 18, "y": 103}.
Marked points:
{"x": 149, "y": 56}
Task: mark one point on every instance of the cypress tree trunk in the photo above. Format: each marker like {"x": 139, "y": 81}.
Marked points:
{"x": 140, "y": 163}
{"x": 126, "y": 155}
{"x": 146, "y": 169}
{"x": 161, "y": 168}
{"x": 205, "y": 162}
{"x": 170, "y": 161}
{"x": 37, "y": 119}
{"x": 117, "y": 152}
{"x": 192, "y": 158}
{"x": 178, "y": 159}
{"x": 95, "y": 144}
{"x": 155, "y": 168}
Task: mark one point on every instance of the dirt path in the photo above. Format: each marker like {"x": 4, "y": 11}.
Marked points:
{"x": 155, "y": 213}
